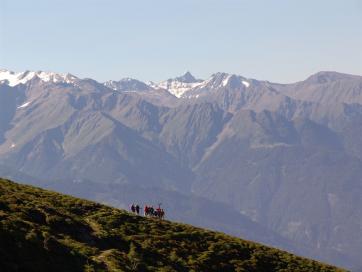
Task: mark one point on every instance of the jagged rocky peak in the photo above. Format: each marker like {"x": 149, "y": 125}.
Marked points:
{"x": 187, "y": 78}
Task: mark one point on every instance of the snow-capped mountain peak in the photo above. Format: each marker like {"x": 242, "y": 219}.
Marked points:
{"x": 180, "y": 85}
{"x": 12, "y": 79}
{"x": 187, "y": 84}
{"x": 225, "y": 79}
{"x": 127, "y": 85}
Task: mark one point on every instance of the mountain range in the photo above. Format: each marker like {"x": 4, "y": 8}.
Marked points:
{"x": 46, "y": 231}
{"x": 276, "y": 163}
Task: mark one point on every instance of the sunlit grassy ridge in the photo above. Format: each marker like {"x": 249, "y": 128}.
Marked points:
{"x": 46, "y": 231}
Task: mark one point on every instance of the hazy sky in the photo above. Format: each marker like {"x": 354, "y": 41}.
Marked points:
{"x": 277, "y": 40}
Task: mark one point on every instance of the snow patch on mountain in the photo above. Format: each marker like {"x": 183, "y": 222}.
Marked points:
{"x": 226, "y": 81}
{"x": 24, "y": 105}
{"x": 12, "y": 79}
{"x": 246, "y": 84}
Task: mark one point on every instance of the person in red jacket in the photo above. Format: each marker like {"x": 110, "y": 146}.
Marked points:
{"x": 158, "y": 212}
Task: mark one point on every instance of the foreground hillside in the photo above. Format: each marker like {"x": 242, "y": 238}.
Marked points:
{"x": 47, "y": 231}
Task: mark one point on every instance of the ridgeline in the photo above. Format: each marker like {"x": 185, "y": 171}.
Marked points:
{"x": 46, "y": 231}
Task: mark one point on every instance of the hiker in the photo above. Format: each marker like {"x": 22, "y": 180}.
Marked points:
{"x": 162, "y": 214}
{"x": 158, "y": 212}
{"x": 151, "y": 210}
{"x": 145, "y": 212}
{"x": 133, "y": 208}
{"x": 137, "y": 209}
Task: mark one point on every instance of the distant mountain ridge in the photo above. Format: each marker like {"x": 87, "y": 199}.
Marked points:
{"x": 178, "y": 86}
{"x": 284, "y": 157}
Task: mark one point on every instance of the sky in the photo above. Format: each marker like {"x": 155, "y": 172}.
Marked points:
{"x": 280, "y": 40}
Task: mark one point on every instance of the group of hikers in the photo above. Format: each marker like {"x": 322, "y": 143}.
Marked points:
{"x": 148, "y": 211}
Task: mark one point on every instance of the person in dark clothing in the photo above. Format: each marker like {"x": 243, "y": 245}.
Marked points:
{"x": 133, "y": 208}
{"x": 137, "y": 209}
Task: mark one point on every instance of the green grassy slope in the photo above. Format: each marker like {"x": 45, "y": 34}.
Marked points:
{"x": 46, "y": 231}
